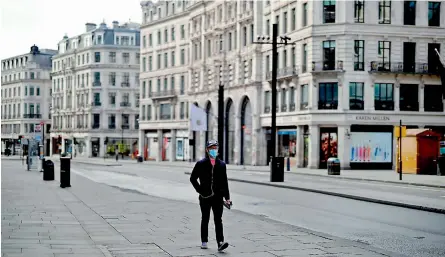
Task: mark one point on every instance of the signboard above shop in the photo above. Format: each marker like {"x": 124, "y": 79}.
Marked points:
{"x": 372, "y": 118}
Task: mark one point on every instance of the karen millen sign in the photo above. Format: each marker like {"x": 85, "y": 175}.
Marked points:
{"x": 371, "y": 118}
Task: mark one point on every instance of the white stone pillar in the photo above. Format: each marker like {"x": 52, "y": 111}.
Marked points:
{"x": 313, "y": 95}
{"x": 160, "y": 144}
{"x": 88, "y": 146}
{"x": 173, "y": 145}
{"x": 102, "y": 146}
{"x": 343, "y": 152}
{"x": 314, "y": 147}
{"x": 141, "y": 141}
{"x": 237, "y": 135}
{"x": 50, "y": 146}
{"x": 421, "y": 96}
{"x": 397, "y": 96}
{"x": 300, "y": 146}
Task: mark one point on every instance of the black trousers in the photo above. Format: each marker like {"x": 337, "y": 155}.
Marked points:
{"x": 216, "y": 204}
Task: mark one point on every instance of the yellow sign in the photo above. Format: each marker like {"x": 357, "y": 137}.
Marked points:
{"x": 397, "y": 131}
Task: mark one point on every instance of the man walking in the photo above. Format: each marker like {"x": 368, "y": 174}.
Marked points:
{"x": 212, "y": 188}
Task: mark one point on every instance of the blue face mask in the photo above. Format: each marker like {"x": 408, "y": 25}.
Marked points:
{"x": 213, "y": 153}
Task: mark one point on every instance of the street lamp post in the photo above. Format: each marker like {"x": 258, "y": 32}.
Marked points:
{"x": 265, "y": 40}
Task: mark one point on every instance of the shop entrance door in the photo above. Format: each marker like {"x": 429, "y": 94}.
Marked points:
{"x": 328, "y": 145}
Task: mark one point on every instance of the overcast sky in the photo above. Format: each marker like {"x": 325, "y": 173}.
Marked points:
{"x": 45, "y": 22}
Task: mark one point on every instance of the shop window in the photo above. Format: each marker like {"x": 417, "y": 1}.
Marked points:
{"x": 384, "y": 97}
{"x": 385, "y": 12}
{"x": 434, "y": 14}
{"x": 329, "y": 55}
{"x": 287, "y": 142}
{"x": 328, "y": 96}
{"x": 304, "y": 97}
{"x": 356, "y": 97}
{"x": 267, "y": 101}
{"x": 409, "y": 13}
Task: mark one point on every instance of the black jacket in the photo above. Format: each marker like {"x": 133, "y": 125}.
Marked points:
{"x": 203, "y": 172}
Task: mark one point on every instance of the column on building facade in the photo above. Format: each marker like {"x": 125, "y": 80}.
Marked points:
{"x": 300, "y": 146}
{"x": 343, "y": 146}
{"x": 50, "y": 146}
{"x": 421, "y": 96}
{"x": 297, "y": 96}
{"x": 343, "y": 92}
{"x": 88, "y": 146}
{"x": 313, "y": 95}
{"x": 369, "y": 96}
{"x": 141, "y": 141}
{"x": 159, "y": 155}
{"x": 237, "y": 150}
{"x": 173, "y": 145}
{"x": 397, "y": 95}
{"x": 314, "y": 147}
{"x": 102, "y": 146}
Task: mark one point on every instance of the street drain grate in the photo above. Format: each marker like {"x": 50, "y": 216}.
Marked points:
{"x": 133, "y": 250}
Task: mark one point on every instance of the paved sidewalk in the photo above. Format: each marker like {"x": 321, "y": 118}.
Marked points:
{"x": 90, "y": 219}
{"x": 386, "y": 176}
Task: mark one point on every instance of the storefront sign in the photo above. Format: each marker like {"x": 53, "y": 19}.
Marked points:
{"x": 371, "y": 118}
{"x": 304, "y": 117}
{"x": 371, "y": 147}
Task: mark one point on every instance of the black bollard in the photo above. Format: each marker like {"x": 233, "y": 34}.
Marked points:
{"x": 65, "y": 172}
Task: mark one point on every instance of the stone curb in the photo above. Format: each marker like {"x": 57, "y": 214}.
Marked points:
{"x": 290, "y": 172}
{"x": 354, "y": 197}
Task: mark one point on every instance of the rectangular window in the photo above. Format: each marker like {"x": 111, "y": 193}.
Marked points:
{"x": 150, "y": 88}
{"x": 182, "y": 85}
{"x": 159, "y": 86}
{"x": 283, "y": 100}
{"x": 385, "y": 12}
{"x": 144, "y": 64}
{"x": 96, "y": 81}
{"x": 149, "y": 112}
{"x": 304, "y": 68}
{"x": 434, "y": 14}
{"x": 112, "y": 78}
{"x": 292, "y": 99}
{"x": 268, "y": 64}
{"x": 144, "y": 85}
{"x": 267, "y": 101}
{"x": 165, "y": 84}
{"x": 267, "y": 27}
{"x": 112, "y": 57}
{"x": 144, "y": 41}
{"x": 182, "y": 56}
{"x": 304, "y": 102}
{"x": 304, "y": 14}
{"x": 252, "y": 33}
{"x": 294, "y": 19}
{"x": 126, "y": 57}
{"x": 294, "y": 57}
{"x": 182, "y": 31}
{"x": 31, "y": 91}
{"x": 284, "y": 58}
{"x": 172, "y": 84}
{"x": 150, "y": 40}
{"x": 384, "y": 56}
{"x": 150, "y": 63}
{"x": 166, "y": 36}
{"x": 359, "y": 11}
{"x": 356, "y": 97}
{"x": 383, "y": 97}
{"x": 409, "y": 57}
{"x": 182, "y": 111}
{"x": 359, "y": 55}
{"x": 37, "y": 91}
{"x": 328, "y": 11}
{"x": 97, "y": 57}
{"x": 158, "y": 62}
{"x": 433, "y": 99}
{"x": 329, "y": 55}
{"x": 328, "y": 96}
{"x": 433, "y": 61}
{"x": 409, "y": 97}
{"x": 166, "y": 111}
{"x": 173, "y": 34}
{"x": 159, "y": 37}
{"x": 244, "y": 36}
{"x": 277, "y": 21}
{"x": 173, "y": 58}
{"x": 165, "y": 60}
{"x": 409, "y": 13}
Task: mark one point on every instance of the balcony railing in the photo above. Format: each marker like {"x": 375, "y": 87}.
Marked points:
{"x": 97, "y": 84}
{"x": 283, "y": 73}
{"x": 267, "y": 109}
{"x": 283, "y": 108}
{"x": 409, "y": 106}
{"x": 166, "y": 116}
{"x": 304, "y": 106}
{"x": 32, "y": 116}
{"x": 356, "y": 104}
{"x": 327, "y": 65}
{"x": 434, "y": 107}
{"x": 125, "y": 84}
{"x": 163, "y": 94}
{"x": 380, "y": 105}
{"x": 400, "y": 67}
{"x": 292, "y": 107}
{"x": 327, "y": 105}
{"x": 125, "y": 104}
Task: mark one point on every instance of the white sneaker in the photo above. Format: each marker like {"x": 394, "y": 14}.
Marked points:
{"x": 204, "y": 245}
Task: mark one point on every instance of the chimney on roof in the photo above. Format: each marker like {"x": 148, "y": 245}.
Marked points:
{"x": 90, "y": 26}
{"x": 115, "y": 24}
